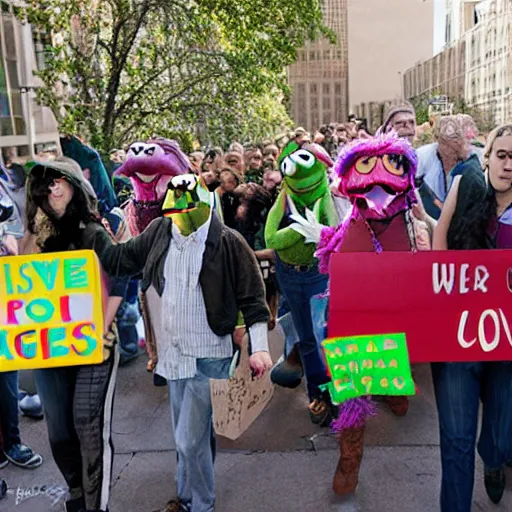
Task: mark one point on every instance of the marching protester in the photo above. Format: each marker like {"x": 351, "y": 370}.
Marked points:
{"x": 441, "y": 161}
{"x": 77, "y": 400}
{"x": 204, "y": 274}
{"x": 11, "y": 448}
{"x": 477, "y": 214}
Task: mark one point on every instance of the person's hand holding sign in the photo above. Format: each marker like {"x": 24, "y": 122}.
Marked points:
{"x": 260, "y": 362}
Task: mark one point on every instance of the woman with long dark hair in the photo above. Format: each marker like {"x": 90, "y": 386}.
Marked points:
{"x": 77, "y": 401}
{"x": 476, "y": 215}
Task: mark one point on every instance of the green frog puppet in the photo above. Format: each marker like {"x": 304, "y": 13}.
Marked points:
{"x": 305, "y": 186}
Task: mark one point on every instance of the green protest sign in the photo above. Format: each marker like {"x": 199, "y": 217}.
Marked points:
{"x": 368, "y": 365}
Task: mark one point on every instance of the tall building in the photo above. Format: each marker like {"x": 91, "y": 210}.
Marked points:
{"x": 476, "y": 65}
{"x": 319, "y": 77}
{"x": 377, "y": 40}
{"x": 461, "y": 16}
{"x": 384, "y": 38}
{"x": 25, "y": 127}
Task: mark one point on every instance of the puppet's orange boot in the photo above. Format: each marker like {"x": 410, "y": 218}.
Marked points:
{"x": 351, "y": 453}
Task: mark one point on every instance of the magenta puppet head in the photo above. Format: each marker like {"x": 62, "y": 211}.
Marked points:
{"x": 151, "y": 165}
{"x": 377, "y": 175}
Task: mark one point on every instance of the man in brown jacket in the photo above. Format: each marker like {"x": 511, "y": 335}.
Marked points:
{"x": 202, "y": 274}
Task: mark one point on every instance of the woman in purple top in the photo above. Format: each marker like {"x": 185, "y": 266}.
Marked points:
{"x": 476, "y": 215}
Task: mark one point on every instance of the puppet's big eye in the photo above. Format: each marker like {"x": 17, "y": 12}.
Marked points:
{"x": 395, "y": 164}
{"x": 184, "y": 181}
{"x": 303, "y": 158}
{"x": 366, "y": 164}
{"x": 153, "y": 150}
{"x": 136, "y": 149}
{"x": 288, "y": 167}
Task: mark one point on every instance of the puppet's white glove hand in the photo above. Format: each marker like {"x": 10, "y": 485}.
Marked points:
{"x": 309, "y": 227}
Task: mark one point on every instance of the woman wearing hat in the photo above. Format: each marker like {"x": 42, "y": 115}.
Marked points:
{"x": 77, "y": 401}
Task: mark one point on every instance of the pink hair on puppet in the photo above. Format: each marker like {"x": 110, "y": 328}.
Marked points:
{"x": 332, "y": 238}
{"x": 381, "y": 145}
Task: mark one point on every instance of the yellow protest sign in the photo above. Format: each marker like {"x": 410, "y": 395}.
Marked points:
{"x": 50, "y": 311}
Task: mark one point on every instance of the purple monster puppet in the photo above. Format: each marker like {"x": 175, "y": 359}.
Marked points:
{"x": 377, "y": 176}
{"x": 150, "y": 166}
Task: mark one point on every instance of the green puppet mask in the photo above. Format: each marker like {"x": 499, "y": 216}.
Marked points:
{"x": 187, "y": 202}
{"x": 304, "y": 168}
{"x": 306, "y": 185}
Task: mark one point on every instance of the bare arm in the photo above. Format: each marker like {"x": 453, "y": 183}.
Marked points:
{"x": 113, "y": 304}
{"x": 265, "y": 254}
{"x": 441, "y": 230}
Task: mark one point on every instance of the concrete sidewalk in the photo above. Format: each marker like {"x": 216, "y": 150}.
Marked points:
{"x": 283, "y": 463}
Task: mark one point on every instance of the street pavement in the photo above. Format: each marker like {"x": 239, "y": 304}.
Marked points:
{"x": 283, "y": 463}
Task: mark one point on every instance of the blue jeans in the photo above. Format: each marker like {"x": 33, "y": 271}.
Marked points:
{"x": 191, "y": 410}
{"x": 299, "y": 287}
{"x": 9, "y": 419}
{"x": 459, "y": 387}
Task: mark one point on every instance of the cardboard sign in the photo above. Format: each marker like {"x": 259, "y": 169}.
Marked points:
{"x": 452, "y": 305}
{"x": 50, "y": 311}
{"x": 368, "y": 365}
{"x": 238, "y": 401}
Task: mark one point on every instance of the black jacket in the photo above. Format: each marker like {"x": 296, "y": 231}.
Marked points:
{"x": 230, "y": 278}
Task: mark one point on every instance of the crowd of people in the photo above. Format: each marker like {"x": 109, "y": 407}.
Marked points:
{"x": 225, "y": 221}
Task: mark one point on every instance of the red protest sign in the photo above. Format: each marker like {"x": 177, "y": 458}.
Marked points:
{"x": 452, "y": 305}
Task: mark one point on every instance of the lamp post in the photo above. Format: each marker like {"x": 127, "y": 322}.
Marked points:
{"x": 26, "y": 91}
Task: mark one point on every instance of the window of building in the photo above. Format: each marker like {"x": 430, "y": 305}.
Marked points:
{"x": 326, "y": 88}
{"x": 6, "y": 127}
{"x": 338, "y": 109}
{"x": 326, "y": 103}
{"x": 337, "y": 89}
{"x": 42, "y": 47}
{"x": 11, "y": 111}
{"x": 312, "y": 89}
{"x": 448, "y": 30}
{"x": 311, "y": 55}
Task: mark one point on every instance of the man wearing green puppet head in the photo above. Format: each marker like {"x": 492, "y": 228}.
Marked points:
{"x": 305, "y": 186}
{"x": 205, "y": 275}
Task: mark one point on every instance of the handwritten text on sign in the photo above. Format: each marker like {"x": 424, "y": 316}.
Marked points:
{"x": 50, "y": 310}
{"x": 368, "y": 365}
{"x": 452, "y": 305}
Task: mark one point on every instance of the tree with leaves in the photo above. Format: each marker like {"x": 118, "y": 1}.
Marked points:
{"x": 125, "y": 69}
